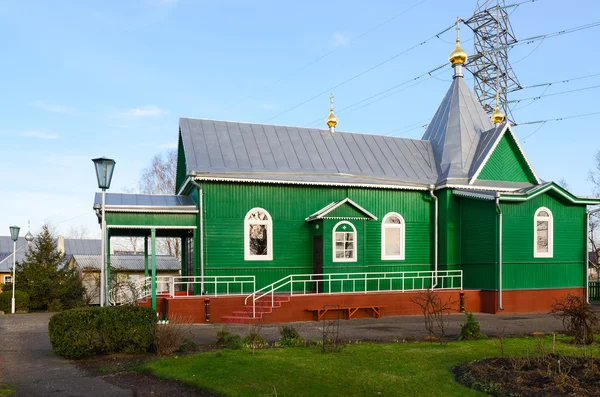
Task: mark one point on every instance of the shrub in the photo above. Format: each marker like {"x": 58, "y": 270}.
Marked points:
{"x": 21, "y": 301}
{"x": 578, "y": 318}
{"x": 254, "y": 341}
{"x": 85, "y": 332}
{"x": 171, "y": 336}
{"x": 55, "y": 306}
{"x": 289, "y": 337}
{"x": 471, "y": 329}
{"x": 229, "y": 340}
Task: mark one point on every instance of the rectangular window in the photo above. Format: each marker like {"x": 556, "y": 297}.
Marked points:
{"x": 7, "y": 279}
{"x": 258, "y": 240}
{"x": 344, "y": 245}
{"x": 542, "y": 236}
{"x": 392, "y": 242}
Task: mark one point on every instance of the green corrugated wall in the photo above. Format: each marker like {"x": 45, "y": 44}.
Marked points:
{"x": 507, "y": 163}
{"x": 226, "y": 205}
{"x": 566, "y": 268}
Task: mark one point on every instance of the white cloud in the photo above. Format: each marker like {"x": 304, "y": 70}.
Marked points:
{"x": 339, "y": 40}
{"x": 50, "y": 107}
{"x": 145, "y": 111}
{"x": 169, "y": 145}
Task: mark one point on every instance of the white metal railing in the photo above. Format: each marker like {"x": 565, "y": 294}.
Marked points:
{"x": 339, "y": 283}
{"x": 127, "y": 292}
{"x": 185, "y": 286}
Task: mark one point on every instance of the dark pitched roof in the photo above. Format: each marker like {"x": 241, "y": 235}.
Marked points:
{"x": 231, "y": 150}
{"x": 127, "y": 262}
{"x": 163, "y": 202}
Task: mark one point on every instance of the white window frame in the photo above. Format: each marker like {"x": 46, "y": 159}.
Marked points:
{"x": 402, "y": 228}
{"x": 550, "y": 220}
{"x": 247, "y": 255}
{"x": 7, "y": 277}
{"x": 354, "y": 243}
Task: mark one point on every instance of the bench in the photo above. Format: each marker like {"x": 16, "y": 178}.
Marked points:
{"x": 350, "y": 310}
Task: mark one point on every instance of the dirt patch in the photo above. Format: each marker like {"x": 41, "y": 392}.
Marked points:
{"x": 551, "y": 375}
{"x": 123, "y": 371}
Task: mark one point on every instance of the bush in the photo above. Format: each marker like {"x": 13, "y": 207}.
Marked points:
{"x": 255, "y": 341}
{"x": 170, "y": 336}
{"x": 85, "y": 332}
{"x": 578, "y": 318}
{"x": 21, "y": 300}
{"x": 229, "y": 340}
{"x": 289, "y": 337}
{"x": 55, "y": 306}
{"x": 471, "y": 329}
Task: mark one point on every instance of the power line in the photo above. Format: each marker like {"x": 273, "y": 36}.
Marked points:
{"x": 359, "y": 74}
{"x": 543, "y": 122}
{"x": 319, "y": 58}
{"x": 553, "y": 94}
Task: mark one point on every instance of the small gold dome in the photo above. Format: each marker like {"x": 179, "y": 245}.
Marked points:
{"x": 458, "y": 56}
{"x": 497, "y": 116}
{"x": 331, "y": 119}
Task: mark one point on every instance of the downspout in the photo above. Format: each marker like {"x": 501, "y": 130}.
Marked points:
{"x": 201, "y": 234}
{"x": 435, "y": 237}
{"x": 499, "y": 250}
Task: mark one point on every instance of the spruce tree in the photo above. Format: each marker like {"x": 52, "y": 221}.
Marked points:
{"x": 45, "y": 277}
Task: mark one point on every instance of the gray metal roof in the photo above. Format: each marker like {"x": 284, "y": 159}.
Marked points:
{"x": 72, "y": 247}
{"x": 127, "y": 262}
{"x": 455, "y": 131}
{"x": 150, "y": 201}
{"x": 486, "y": 142}
{"x": 231, "y": 150}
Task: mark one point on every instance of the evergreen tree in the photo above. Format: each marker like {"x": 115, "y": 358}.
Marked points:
{"x": 45, "y": 277}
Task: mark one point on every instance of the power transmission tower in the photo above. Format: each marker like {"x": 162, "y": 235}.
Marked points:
{"x": 489, "y": 64}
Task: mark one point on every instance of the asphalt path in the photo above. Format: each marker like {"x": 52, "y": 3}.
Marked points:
{"x": 28, "y": 363}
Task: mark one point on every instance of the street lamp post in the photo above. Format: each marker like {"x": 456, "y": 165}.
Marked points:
{"x": 104, "y": 172}
{"x": 14, "y": 235}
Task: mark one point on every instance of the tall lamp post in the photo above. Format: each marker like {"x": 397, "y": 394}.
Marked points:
{"x": 104, "y": 172}
{"x": 14, "y": 235}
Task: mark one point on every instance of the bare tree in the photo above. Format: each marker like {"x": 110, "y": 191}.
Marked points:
{"x": 159, "y": 178}
{"x": 594, "y": 175}
{"x": 78, "y": 232}
{"x": 562, "y": 182}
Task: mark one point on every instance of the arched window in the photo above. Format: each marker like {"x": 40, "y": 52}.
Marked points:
{"x": 392, "y": 237}
{"x": 344, "y": 242}
{"x": 258, "y": 235}
{"x": 543, "y": 234}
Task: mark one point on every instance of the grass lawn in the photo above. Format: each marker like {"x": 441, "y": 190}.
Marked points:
{"x": 6, "y": 390}
{"x": 363, "y": 369}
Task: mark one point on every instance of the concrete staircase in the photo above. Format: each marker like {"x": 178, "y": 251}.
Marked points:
{"x": 263, "y": 307}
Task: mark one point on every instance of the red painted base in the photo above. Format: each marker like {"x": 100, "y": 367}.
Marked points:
{"x": 304, "y": 307}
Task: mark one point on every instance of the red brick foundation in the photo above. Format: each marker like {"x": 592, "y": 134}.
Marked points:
{"x": 525, "y": 301}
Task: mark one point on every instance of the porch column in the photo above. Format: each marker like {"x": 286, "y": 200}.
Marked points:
{"x": 153, "y": 235}
{"x": 108, "y": 279}
{"x": 145, "y": 256}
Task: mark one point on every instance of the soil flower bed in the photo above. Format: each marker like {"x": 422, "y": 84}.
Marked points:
{"x": 547, "y": 375}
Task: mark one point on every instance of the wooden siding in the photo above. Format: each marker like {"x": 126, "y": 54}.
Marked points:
{"x": 449, "y": 228}
{"x": 346, "y": 211}
{"x": 226, "y": 205}
{"x": 507, "y": 163}
{"x": 566, "y": 267}
{"x": 479, "y": 243}
{"x": 181, "y": 172}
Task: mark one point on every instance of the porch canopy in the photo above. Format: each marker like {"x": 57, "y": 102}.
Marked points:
{"x": 150, "y": 216}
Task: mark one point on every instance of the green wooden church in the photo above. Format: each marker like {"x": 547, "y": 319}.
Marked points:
{"x": 318, "y": 217}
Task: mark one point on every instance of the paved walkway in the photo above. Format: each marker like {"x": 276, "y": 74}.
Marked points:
{"x": 28, "y": 363}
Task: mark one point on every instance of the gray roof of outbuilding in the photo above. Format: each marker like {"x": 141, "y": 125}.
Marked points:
{"x": 72, "y": 247}
{"x": 455, "y": 131}
{"x": 232, "y": 150}
{"x": 157, "y": 201}
{"x": 127, "y": 262}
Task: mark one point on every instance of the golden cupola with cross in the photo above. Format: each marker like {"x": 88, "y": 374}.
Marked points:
{"x": 331, "y": 119}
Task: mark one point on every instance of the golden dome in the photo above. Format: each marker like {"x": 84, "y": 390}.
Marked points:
{"x": 458, "y": 56}
{"x": 331, "y": 119}
{"x": 497, "y": 116}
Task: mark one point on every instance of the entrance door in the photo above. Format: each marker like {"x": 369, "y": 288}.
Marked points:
{"x": 318, "y": 261}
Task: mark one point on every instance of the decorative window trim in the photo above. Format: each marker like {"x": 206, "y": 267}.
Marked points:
{"x": 354, "y": 243}
{"x": 402, "y": 227}
{"x": 550, "y": 220}
{"x": 269, "y": 223}
{"x": 7, "y": 279}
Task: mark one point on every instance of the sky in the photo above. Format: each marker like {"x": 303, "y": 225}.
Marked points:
{"x": 83, "y": 79}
